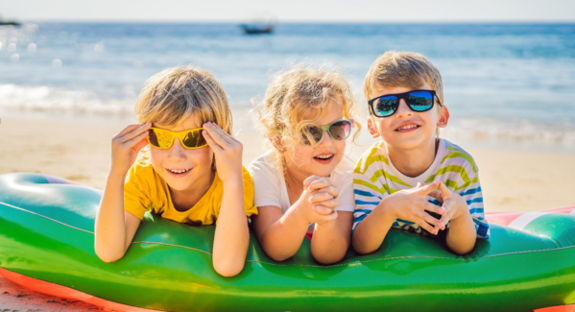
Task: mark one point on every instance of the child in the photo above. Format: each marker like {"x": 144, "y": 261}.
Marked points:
{"x": 305, "y": 178}
{"x": 191, "y": 174}
{"x": 393, "y": 177}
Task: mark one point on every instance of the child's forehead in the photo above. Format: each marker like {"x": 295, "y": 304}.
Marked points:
{"x": 190, "y": 122}
{"x": 380, "y": 90}
{"x": 329, "y": 111}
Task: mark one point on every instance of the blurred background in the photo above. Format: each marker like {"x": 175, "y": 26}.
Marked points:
{"x": 508, "y": 66}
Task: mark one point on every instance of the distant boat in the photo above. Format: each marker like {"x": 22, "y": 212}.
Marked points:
{"x": 252, "y": 29}
{"x": 9, "y": 24}
{"x": 2, "y": 23}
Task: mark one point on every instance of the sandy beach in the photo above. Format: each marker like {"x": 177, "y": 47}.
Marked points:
{"x": 79, "y": 150}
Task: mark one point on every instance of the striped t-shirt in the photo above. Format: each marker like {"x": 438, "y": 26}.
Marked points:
{"x": 375, "y": 177}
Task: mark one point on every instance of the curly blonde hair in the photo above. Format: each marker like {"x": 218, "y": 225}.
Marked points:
{"x": 296, "y": 95}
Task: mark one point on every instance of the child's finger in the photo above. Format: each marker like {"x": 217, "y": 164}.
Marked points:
{"x": 445, "y": 192}
{"x": 331, "y": 203}
{"x": 319, "y": 197}
{"x": 447, "y": 204}
{"x": 426, "y": 189}
{"x": 425, "y": 205}
{"x": 213, "y": 145}
{"x": 138, "y": 147}
{"x": 424, "y": 225}
{"x": 128, "y": 129}
{"x": 309, "y": 180}
{"x": 131, "y": 131}
{"x": 329, "y": 189}
{"x": 447, "y": 217}
{"x": 220, "y": 136}
{"x": 136, "y": 140}
{"x": 319, "y": 184}
{"x": 435, "y": 223}
{"x": 323, "y": 210}
{"x": 437, "y": 195}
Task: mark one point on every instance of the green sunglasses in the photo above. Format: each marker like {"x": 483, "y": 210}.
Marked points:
{"x": 338, "y": 130}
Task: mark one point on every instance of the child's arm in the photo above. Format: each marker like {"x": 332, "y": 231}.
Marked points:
{"x": 407, "y": 205}
{"x": 331, "y": 239}
{"x": 115, "y": 228}
{"x": 462, "y": 234}
{"x": 281, "y": 234}
{"x": 232, "y": 236}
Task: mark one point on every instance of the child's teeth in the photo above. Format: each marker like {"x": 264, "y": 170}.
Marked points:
{"x": 324, "y": 157}
{"x": 178, "y": 171}
{"x": 407, "y": 127}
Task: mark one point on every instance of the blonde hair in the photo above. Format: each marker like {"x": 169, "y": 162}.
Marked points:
{"x": 174, "y": 94}
{"x": 402, "y": 69}
{"x": 297, "y": 94}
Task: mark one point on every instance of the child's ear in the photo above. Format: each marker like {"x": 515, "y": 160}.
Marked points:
{"x": 443, "y": 117}
{"x": 372, "y": 128}
{"x": 277, "y": 143}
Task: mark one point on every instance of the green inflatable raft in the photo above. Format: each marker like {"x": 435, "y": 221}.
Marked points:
{"x": 47, "y": 242}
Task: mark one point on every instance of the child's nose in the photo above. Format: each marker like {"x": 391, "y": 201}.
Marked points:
{"x": 403, "y": 109}
{"x": 327, "y": 140}
{"x": 177, "y": 150}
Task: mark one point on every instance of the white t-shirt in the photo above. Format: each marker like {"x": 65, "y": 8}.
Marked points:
{"x": 270, "y": 186}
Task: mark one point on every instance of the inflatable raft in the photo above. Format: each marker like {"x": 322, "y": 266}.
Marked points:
{"x": 47, "y": 243}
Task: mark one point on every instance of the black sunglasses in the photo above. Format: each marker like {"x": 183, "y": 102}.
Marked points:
{"x": 417, "y": 100}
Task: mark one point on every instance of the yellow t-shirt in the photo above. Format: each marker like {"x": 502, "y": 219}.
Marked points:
{"x": 145, "y": 190}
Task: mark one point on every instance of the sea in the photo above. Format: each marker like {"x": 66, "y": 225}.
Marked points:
{"x": 504, "y": 84}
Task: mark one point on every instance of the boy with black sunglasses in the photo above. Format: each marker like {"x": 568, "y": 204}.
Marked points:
{"x": 396, "y": 181}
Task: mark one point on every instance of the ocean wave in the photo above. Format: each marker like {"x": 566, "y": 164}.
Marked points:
{"x": 59, "y": 100}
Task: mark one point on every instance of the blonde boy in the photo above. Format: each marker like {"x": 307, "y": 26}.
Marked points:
{"x": 396, "y": 179}
{"x": 192, "y": 172}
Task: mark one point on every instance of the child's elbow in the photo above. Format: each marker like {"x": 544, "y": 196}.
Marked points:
{"x": 107, "y": 256}
{"x": 228, "y": 269}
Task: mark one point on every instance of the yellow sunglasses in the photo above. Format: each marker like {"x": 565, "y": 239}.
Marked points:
{"x": 164, "y": 139}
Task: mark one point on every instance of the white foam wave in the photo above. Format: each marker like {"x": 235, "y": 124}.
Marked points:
{"x": 59, "y": 100}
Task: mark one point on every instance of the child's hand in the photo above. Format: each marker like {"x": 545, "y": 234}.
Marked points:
{"x": 126, "y": 145}
{"x": 411, "y": 204}
{"x": 319, "y": 200}
{"x": 227, "y": 150}
{"x": 453, "y": 203}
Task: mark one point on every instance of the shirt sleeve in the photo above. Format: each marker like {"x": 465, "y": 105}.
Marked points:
{"x": 345, "y": 190}
{"x": 249, "y": 205}
{"x": 266, "y": 189}
{"x": 470, "y": 189}
{"x": 136, "y": 192}
{"x": 367, "y": 194}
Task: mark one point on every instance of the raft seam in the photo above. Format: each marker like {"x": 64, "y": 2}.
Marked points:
{"x": 45, "y": 217}
{"x": 172, "y": 245}
{"x": 305, "y": 265}
{"x": 89, "y": 232}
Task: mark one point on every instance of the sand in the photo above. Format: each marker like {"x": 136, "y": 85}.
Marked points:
{"x": 79, "y": 149}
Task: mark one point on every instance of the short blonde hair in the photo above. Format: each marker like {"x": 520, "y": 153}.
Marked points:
{"x": 297, "y": 94}
{"x": 402, "y": 69}
{"x": 174, "y": 94}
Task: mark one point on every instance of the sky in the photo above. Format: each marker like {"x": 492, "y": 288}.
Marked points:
{"x": 290, "y": 10}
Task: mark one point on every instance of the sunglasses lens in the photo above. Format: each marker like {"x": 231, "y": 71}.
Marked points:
{"x": 194, "y": 139}
{"x": 314, "y": 132}
{"x": 385, "y": 106}
{"x": 159, "y": 138}
{"x": 340, "y": 130}
{"x": 420, "y": 101}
